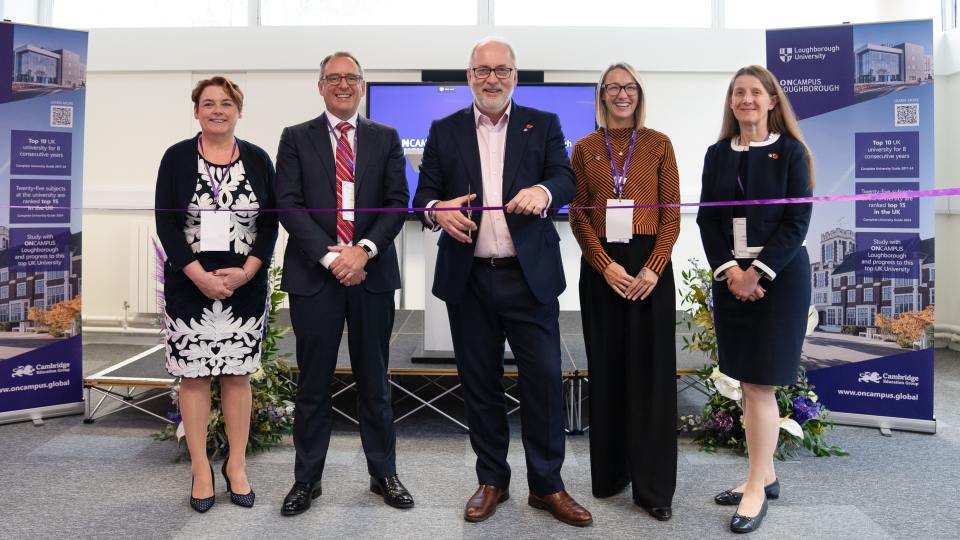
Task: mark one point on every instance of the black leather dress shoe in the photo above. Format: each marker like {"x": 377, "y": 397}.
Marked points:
{"x": 744, "y": 524}
{"x": 732, "y": 498}
{"x": 662, "y": 513}
{"x": 299, "y": 498}
{"x": 392, "y": 491}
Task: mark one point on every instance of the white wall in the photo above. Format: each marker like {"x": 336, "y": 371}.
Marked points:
{"x": 138, "y": 104}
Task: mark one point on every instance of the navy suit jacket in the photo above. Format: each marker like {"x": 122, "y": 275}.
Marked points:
{"x": 535, "y": 154}
{"x": 306, "y": 178}
{"x": 779, "y": 170}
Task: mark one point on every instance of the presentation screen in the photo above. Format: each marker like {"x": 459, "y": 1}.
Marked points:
{"x": 411, "y": 107}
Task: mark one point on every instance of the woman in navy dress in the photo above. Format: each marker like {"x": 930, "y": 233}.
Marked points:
{"x": 761, "y": 270}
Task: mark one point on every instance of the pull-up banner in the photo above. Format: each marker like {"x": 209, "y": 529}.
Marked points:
{"x": 42, "y": 90}
{"x": 864, "y": 97}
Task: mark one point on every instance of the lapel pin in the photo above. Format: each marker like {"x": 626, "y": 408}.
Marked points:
{"x": 528, "y": 127}
{"x": 773, "y": 155}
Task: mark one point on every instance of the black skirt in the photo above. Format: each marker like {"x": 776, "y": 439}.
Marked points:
{"x": 760, "y": 342}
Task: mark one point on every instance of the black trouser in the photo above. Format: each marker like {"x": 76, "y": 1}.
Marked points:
{"x": 318, "y": 324}
{"x": 498, "y": 304}
{"x": 631, "y": 353}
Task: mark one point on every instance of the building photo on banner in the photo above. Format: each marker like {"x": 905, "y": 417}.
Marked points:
{"x": 469, "y": 268}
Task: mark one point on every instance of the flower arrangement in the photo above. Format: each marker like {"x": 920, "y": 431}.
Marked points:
{"x": 803, "y": 420}
{"x": 273, "y": 386}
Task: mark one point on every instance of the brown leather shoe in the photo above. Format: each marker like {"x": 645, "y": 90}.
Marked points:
{"x": 563, "y": 507}
{"x": 484, "y": 502}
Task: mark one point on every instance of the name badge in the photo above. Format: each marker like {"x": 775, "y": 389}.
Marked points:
{"x": 346, "y": 199}
{"x": 619, "y": 221}
{"x": 215, "y": 231}
{"x": 740, "y": 248}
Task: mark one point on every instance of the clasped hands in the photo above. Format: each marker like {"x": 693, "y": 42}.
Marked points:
{"x": 744, "y": 285}
{"x": 348, "y": 268}
{"x": 531, "y": 200}
{"x": 220, "y": 284}
{"x": 627, "y": 286}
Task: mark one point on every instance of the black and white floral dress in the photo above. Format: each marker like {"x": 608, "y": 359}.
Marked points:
{"x": 207, "y": 337}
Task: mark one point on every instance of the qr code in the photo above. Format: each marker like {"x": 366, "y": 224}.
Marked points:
{"x": 907, "y": 114}
{"x": 61, "y": 116}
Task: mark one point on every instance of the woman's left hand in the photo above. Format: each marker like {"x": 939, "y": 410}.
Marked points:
{"x": 743, "y": 285}
{"x": 233, "y": 278}
{"x": 642, "y": 285}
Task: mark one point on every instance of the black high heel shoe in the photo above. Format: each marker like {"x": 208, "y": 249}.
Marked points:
{"x": 732, "y": 498}
{"x": 246, "y": 500}
{"x": 202, "y": 505}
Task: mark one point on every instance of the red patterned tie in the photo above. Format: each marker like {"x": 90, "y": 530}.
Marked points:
{"x": 344, "y": 174}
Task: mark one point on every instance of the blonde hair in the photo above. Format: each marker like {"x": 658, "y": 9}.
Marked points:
{"x": 639, "y": 114}
{"x": 780, "y": 119}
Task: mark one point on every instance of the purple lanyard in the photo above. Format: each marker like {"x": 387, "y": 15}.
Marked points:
{"x": 739, "y": 183}
{"x": 619, "y": 178}
{"x": 214, "y": 185}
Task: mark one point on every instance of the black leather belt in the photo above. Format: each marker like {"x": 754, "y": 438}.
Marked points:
{"x": 495, "y": 262}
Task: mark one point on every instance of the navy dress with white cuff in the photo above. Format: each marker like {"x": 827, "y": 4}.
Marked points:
{"x": 759, "y": 342}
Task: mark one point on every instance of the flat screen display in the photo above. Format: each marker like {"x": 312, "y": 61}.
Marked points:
{"x": 411, "y": 108}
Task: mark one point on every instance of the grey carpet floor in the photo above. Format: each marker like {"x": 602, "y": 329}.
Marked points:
{"x": 65, "y": 479}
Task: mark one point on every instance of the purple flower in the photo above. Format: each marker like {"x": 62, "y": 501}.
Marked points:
{"x": 173, "y": 416}
{"x": 804, "y": 409}
{"x": 722, "y": 420}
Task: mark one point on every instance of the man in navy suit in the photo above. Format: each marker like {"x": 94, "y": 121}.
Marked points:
{"x": 500, "y": 274}
{"x": 341, "y": 266}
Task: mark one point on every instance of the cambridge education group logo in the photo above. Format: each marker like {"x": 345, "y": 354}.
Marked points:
{"x": 869, "y": 377}
{"x": 23, "y": 371}
{"x": 786, "y": 54}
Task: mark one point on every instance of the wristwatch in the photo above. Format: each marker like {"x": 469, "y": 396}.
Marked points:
{"x": 367, "y": 249}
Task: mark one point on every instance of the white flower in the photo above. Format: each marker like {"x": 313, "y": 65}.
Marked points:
{"x": 812, "y": 396}
{"x": 181, "y": 432}
{"x": 792, "y": 427}
{"x": 727, "y": 386}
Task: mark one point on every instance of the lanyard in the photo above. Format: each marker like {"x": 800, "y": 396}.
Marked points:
{"x": 333, "y": 131}
{"x": 214, "y": 185}
{"x": 619, "y": 177}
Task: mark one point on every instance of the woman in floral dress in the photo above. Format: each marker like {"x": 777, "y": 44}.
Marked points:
{"x": 218, "y": 245}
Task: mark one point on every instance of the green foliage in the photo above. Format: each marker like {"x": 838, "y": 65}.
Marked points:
{"x": 720, "y": 423}
{"x": 273, "y": 387}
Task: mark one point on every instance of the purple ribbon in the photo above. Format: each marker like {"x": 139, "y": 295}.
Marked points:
{"x": 914, "y": 194}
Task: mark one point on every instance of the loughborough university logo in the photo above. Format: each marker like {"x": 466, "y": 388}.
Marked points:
{"x": 786, "y": 54}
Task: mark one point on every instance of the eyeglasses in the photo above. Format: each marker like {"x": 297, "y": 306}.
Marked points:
{"x": 335, "y": 79}
{"x": 614, "y": 89}
{"x": 483, "y": 72}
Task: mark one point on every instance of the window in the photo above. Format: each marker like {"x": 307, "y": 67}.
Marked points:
{"x": 676, "y": 14}
{"x": 851, "y": 281}
{"x": 4, "y": 292}
{"x": 885, "y": 293}
{"x": 864, "y": 316}
{"x": 851, "y": 316}
{"x": 851, "y": 296}
{"x": 886, "y": 311}
{"x": 55, "y": 295}
{"x": 373, "y": 12}
{"x": 902, "y": 303}
{"x": 21, "y": 290}
{"x": 900, "y": 282}
{"x": 836, "y": 281}
{"x": 39, "y": 304}
{"x": 55, "y": 275}
{"x": 867, "y": 279}
{"x": 933, "y": 275}
{"x": 932, "y": 302}
{"x": 17, "y": 311}
{"x": 150, "y": 14}
{"x": 38, "y": 286}
{"x": 828, "y": 253}
{"x": 4, "y": 275}
{"x": 835, "y": 300}
{"x": 21, "y": 275}
{"x": 4, "y": 313}
{"x": 821, "y": 280}
{"x": 769, "y": 14}
{"x": 868, "y": 294}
